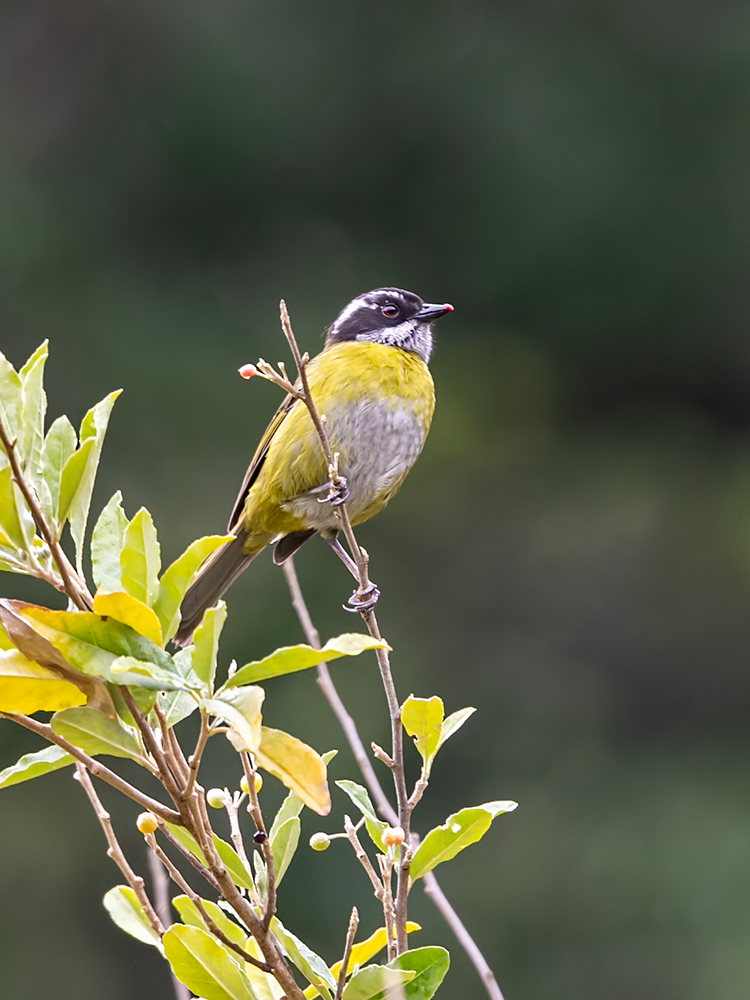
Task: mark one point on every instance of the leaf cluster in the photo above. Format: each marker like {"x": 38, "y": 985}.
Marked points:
{"x": 103, "y": 668}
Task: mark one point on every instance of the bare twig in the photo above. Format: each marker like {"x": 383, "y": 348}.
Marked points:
{"x": 351, "y": 931}
{"x": 160, "y": 884}
{"x": 195, "y": 757}
{"x": 429, "y": 882}
{"x": 361, "y": 855}
{"x": 152, "y": 745}
{"x": 73, "y": 586}
{"x": 176, "y": 876}
{"x": 253, "y": 807}
{"x": 464, "y": 938}
{"x": 328, "y": 688}
{"x": 114, "y": 850}
{"x": 171, "y": 748}
{"x": 97, "y": 769}
{"x": 385, "y": 863}
{"x": 235, "y": 834}
{"x": 201, "y": 869}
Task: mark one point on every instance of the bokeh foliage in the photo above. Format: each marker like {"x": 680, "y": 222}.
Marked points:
{"x": 571, "y": 552}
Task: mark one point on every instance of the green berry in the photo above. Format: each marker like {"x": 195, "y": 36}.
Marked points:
{"x": 216, "y": 798}
{"x": 320, "y": 841}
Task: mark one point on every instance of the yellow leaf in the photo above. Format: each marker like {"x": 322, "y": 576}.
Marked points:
{"x": 130, "y": 611}
{"x": 297, "y": 766}
{"x": 363, "y": 952}
{"x": 25, "y": 687}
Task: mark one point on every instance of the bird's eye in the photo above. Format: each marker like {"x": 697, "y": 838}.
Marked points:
{"x": 390, "y": 311}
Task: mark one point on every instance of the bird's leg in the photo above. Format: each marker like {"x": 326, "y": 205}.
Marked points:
{"x": 363, "y": 598}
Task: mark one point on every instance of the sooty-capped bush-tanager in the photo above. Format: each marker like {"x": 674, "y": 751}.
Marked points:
{"x": 372, "y": 382}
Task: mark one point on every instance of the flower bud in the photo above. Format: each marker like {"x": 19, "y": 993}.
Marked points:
{"x": 147, "y": 823}
{"x": 247, "y": 371}
{"x": 320, "y": 841}
{"x": 392, "y": 836}
{"x": 216, "y": 798}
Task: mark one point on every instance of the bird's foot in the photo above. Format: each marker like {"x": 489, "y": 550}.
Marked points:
{"x": 336, "y": 492}
{"x": 363, "y": 599}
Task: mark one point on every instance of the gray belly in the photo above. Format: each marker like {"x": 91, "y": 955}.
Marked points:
{"x": 377, "y": 443}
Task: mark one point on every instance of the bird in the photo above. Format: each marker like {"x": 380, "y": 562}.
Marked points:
{"x": 373, "y": 384}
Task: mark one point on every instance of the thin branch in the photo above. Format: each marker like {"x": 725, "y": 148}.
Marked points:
{"x": 114, "y": 850}
{"x": 361, "y": 855}
{"x": 195, "y": 757}
{"x": 435, "y": 893}
{"x": 160, "y": 884}
{"x": 152, "y": 745}
{"x": 97, "y": 769}
{"x": 74, "y": 587}
{"x": 176, "y": 876}
{"x": 235, "y": 834}
{"x": 429, "y": 882}
{"x": 200, "y": 868}
{"x": 253, "y": 807}
{"x": 171, "y": 748}
{"x": 385, "y": 863}
{"x": 351, "y": 931}
{"x": 325, "y": 682}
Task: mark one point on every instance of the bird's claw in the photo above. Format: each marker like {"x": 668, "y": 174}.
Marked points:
{"x": 363, "y": 599}
{"x": 336, "y": 493}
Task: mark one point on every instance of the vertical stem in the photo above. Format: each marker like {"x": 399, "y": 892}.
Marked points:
{"x": 351, "y": 931}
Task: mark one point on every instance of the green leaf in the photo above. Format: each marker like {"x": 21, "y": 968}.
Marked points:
{"x": 189, "y": 914}
{"x": 107, "y": 540}
{"x": 454, "y": 723}
{"x": 130, "y": 672}
{"x": 429, "y": 966}
{"x": 34, "y": 765}
{"x": 422, "y": 719}
{"x": 9, "y": 505}
{"x": 10, "y": 398}
{"x": 140, "y": 559}
{"x": 59, "y": 445}
{"x": 89, "y": 643}
{"x": 459, "y": 830}
{"x": 206, "y": 643}
{"x": 291, "y": 807}
{"x": 178, "y": 705}
{"x": 312, "y": 966}
{"x": 361, "y": 799}
{"x": 378, "y": 982}
{"x": 228, "y": 855}
{"x": 205, "y": 965}
{"x": 95, "y": 733}
{"x": 283, "y": 845}
{"x": 121, "y": 903}
{"x": 241, "y": 709}
{"x": 33, "y": 408}
{"x": 289, "y": 659}
{"x": 93, "y": 428}
{"x": 176, "y": 579}
{"x": 73, "y": 480}
{"x": 297, "y": 766}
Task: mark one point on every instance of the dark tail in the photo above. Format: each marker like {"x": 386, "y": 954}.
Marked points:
{"x": 215, "y": 577}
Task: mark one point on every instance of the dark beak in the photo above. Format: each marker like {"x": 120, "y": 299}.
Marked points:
{"x": 430, "y": 310}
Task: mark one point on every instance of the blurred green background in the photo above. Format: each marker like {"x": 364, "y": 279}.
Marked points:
{"x": 572, "y": 552}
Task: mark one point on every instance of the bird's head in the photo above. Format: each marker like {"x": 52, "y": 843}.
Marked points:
{"x": 389, "y": 316}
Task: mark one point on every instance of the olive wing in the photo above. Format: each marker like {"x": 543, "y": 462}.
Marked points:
{"x": 258, "y": 459}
